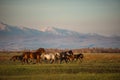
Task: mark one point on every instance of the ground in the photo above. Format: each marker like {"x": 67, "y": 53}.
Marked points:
{"x": 95, "y": 66}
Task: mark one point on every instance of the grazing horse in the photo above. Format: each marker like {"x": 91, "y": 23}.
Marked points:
{"x": 79, "y": 56}
{"x": 65, "y": 56}
{"x": 50, "y": 57}
{"x": 16, "y": 57}
{"x": 33, "y": 55}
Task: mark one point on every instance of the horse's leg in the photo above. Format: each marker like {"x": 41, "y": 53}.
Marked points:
{"x": 57, "y": 60}
{"x": 39, "y": 60}
{"x": 80, "y": 60}
{"x": 75, "y": 59}
{"x": 23, "y": 61}
{"x": 61, "y": 60}
{"x": 52, "y": 61}
{"x": 66, "y": 60}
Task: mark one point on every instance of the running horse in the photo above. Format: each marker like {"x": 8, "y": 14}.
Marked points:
{"x": 66, "y": 56}
{"x": 49, "y": 57}
{"x": 16, "y": 57}
{"x": 33, "y": 55}
{"x": 79, "y": 57}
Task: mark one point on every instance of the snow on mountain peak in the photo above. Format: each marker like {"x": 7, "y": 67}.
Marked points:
{"x": 47, "y": 29}
{"x": 57, "y": 31}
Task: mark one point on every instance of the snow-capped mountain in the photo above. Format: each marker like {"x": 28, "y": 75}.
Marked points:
{"x": 57, "y": 31}
{"x": 13, "y": 37}
{"x": 7, "y": 30}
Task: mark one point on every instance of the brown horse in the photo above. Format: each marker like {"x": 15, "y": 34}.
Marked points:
{"x": 16, "y": 57}
{"x": 33, "y": 55}
{"x": 70, "y": 57}
{"x": 79, "y": 56}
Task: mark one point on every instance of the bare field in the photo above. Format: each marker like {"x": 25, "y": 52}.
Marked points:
{"x": 95, "y": 66}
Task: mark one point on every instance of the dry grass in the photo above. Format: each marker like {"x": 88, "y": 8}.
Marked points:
{"x": 102, "y": 57}
{"x": 95, "y": 66}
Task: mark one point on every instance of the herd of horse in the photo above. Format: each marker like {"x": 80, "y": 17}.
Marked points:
{"x": 40, "y": 55}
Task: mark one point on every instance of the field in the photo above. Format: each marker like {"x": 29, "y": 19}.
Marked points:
{"x": 95, "y": 66}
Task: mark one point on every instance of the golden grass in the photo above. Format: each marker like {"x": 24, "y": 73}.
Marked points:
{"x": 103, "y": 57}
{"x": 95, "y": 66}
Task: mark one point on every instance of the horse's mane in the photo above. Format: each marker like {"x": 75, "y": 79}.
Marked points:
{"x": 40, "y": 51}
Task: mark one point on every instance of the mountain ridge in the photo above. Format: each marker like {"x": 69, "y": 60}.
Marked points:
{"x": 14, "y": 37}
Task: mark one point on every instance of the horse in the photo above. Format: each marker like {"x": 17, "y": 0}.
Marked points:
{"x": 79, "y": 56}
{"x": 65, "y": 56}
{"x": 33, "y": 55}
{"x": 57, "y": 55}
{"x": 50, "y": 57}
{"x": 70, "y": 58}
{"x": 41, "y": 51}
{"x": 16, "y": 57}
{"x": 26, "y": 56}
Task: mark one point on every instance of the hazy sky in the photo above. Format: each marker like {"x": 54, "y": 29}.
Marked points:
{"x": 84, "y": 16}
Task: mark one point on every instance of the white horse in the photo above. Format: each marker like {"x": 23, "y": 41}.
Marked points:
{"x": 50, "y": 57}
{"x": 57, "y": 55}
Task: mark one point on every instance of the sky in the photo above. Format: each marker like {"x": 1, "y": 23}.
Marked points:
{"x": 84, "y": 16}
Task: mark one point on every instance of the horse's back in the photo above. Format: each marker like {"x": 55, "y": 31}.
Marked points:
{"x": 49, "y": 56}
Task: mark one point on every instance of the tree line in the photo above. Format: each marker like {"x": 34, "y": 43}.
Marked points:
{"x": 80, "y": 50}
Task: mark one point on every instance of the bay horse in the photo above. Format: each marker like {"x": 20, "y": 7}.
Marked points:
{"x": 70, "y": 58}
{"x": 33, "y": 55}
{"x": 65, "y": 56}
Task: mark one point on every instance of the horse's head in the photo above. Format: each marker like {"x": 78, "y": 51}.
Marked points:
{"x": 70, "y": 52}
{"x": 57, "y": 55}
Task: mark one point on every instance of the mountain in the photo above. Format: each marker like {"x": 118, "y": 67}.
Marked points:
{"x": 13, "y": 37}
{"x": 58, "y": 31}
{"x": 8, "y": 30}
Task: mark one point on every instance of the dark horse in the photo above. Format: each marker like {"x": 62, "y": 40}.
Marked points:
{"x": 33, "y": 55}
{"x": 65, "y": 55}
{"x": 79, "y": 56}
{"x": 16, "y": 57}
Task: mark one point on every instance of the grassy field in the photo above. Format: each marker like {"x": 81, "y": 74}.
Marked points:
{"x": 95, "y": 66}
